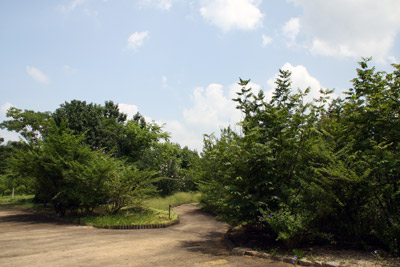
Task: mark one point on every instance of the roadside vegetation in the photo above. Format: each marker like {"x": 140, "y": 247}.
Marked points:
{"x": 152, "y": 211}
{"x": 312, "y": 173}
{"x": 301, "y": 173}
{"x": 25, "y": 201}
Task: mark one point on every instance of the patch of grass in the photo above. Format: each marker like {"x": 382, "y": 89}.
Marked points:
{"x": 25, "y": 201}
{"x": 144, "y": 216}
{"x": 173, "y": 200}
{"x": 153, "y": 211}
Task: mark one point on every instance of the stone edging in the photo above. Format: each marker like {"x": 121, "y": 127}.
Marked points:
{"x": 141, "y": 226}
{"x": 240, "y": 251}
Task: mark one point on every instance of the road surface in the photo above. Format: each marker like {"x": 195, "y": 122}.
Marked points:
{"x": 29, "y": 239}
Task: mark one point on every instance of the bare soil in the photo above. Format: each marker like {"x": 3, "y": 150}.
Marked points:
{"x": 31, "y": 239}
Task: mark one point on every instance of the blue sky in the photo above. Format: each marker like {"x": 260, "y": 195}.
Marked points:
{"x": 178, "y": 61}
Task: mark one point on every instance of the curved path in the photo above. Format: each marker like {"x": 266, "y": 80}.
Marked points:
{"x": 29, "y": 239}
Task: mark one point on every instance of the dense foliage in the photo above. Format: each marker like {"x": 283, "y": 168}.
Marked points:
{"x": 86, "y": 155}
{"x": 326, "y": 171}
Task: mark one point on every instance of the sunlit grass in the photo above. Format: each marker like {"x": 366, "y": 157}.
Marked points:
{"x": 25, "y": 201}
{"x": 146, "y": 216}
{"x": 173, "y": 200}
{"x": 153, "y": 211}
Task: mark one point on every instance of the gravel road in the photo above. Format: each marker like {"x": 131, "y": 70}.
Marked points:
{"x": 29, "y": 239}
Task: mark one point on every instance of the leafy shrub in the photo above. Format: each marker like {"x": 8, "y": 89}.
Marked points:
{"x": 334, "y": 165}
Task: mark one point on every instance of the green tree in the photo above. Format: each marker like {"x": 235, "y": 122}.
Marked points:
{"x": 67, "y": 173}
{"x": 29, "y": 124}
{"x": 101, "y": 125}
{"x": 128, "y": 186}
{"x": 71, "y": 175}
{"x": 175, "y": 167}
{"x": 9, "y": 181}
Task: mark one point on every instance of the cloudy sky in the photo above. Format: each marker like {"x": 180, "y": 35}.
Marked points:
{"x": 178, "y": 61}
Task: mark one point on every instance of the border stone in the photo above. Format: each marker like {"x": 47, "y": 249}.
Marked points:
{"x": 304, "y": 262}
{"x": 331, "y": 264}
{"x": 251, "y": 253}
{"x": 264, "y": 255}
{"x": 238, "y": 251}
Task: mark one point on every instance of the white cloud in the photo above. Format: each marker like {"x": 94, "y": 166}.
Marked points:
{"x": 232, "y": 14}
{"x": 291, "y": 29}
{"x": 350, "y": 28}
{"x": 211, "y": 109}
{"x": 37, "y": 75}
{"x": 136, "y": 39}
{"x": 184, "y": 135}
{"x": 164, "y": 81}
{"x": 128, "y": 109}
{"x": 301, "y": 79}
{"x": 266, "y": 40}
{"x": 393, "y": 60}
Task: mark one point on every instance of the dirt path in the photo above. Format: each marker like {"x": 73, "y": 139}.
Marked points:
{"x": 28, "y": 239}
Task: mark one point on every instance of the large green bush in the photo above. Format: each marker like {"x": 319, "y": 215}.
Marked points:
{"x": 312, "y": 171}
{"x": 71, "y": 175}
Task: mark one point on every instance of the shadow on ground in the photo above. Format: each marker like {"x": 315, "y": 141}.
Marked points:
{"x": 211, "y": 244}
{"x": 27, "y": 217}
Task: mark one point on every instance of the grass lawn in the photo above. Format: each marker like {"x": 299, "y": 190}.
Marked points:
{"x": 143, "y": 216}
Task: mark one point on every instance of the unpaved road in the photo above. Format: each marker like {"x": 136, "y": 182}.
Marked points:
{"x": 28, "y": 239}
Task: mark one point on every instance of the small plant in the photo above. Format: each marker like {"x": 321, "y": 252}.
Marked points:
{"x": 298, "y": 255}
{"x": 376, "y": 255}
{"x": 273, "y": 252}
{"x": 310, "y": 257}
